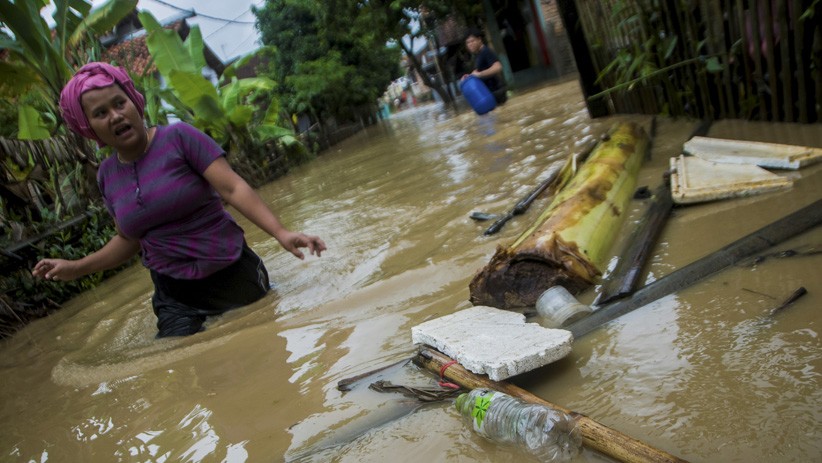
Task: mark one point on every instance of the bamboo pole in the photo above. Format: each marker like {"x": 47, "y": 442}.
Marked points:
{"x": 769, "y": 40}
{"x": 712, "y": 24}
{"x": 799, "y": 47}
{"x": 743, "y": 56}
{"x": 724, "y": 35}
{"x": 817, "y": 76}
{"x": 757, "y": 49}
{"x": 685, "y": 79}
{"x": 784, "y": 41}
{"x": 691, "y": 32}
{"x": 595, "y": 435}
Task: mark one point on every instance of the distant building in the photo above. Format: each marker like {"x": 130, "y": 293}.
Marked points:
{"x": 126, "y": 46}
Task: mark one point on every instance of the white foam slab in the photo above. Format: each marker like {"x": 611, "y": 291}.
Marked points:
{"x": 771, "y": 155}
{"x": 498, "y": 343}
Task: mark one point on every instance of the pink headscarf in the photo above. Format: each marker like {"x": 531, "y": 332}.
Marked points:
{"x": 90, "y": 77}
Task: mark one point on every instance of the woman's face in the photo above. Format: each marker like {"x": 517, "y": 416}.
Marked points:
{"x": 115, "y": 119}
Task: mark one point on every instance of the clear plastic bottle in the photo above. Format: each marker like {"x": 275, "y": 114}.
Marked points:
{"x": 548, "y": 434}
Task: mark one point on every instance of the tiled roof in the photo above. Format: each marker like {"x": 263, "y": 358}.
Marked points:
{"x": 133, "y": 54}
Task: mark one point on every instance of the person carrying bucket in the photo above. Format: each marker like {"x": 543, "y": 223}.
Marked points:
{"x": 486, "y": 65}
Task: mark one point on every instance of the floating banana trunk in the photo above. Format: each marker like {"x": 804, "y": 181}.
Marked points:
{"x": 567, "y": 244}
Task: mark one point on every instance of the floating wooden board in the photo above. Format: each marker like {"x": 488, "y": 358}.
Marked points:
{"x": 772, "y": 155}
{"x": 695, "y": 180}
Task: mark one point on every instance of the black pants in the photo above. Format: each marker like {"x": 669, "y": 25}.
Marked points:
{"x": 501, "y": 95}
{"x": 182, "y": 306}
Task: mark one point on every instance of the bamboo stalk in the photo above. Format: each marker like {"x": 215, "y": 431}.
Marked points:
{"x": 595, "y": 435}
{"x": 799, "y": 47}
{"x": 757, "y": 48}
{"x": 692, "y": 33}
{"x": 743, "y": 56}
{"x": 816, "y": 50}
{"x": 784, "y": 39}
{"x": 686, "y": 78}
{"x": 712, "y": 21}
{"x": 568, "y": 242}
{"x": 769, "y": 39}
{"x": 725, "y": 36}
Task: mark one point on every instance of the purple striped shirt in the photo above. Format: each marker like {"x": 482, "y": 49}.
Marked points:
{"x": 163, "y": 201}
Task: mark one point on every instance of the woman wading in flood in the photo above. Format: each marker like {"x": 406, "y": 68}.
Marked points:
{"x": 163, "y": 187}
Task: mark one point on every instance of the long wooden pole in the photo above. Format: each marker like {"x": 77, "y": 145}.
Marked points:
{"x": 789, "y": 226}
{"x": 595, "y": 435}
{"x": 626, "y": 274}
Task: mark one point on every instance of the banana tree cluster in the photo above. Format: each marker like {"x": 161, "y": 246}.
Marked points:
{"x": 42, "y": 59}
{"x": 224, "y": 112}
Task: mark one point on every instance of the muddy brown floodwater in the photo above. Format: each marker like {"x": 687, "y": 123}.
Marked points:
{"x": 702, "y": 374}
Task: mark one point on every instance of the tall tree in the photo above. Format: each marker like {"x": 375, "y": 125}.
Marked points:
{"x": 322, "y": 68}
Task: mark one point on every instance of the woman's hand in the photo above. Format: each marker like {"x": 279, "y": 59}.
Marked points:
{"x": 293, "y": 241}
{"x": 115, "y": 253}
{"x": 57, "y": 270}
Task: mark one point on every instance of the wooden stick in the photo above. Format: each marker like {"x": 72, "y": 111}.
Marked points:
{"x": 595, "y": 435}
{"x": 801, "y": 291}
{"x": 525, "y": 202}
{"x": 550, "y": 182}
{"x": 626, "y": 274}
{"x": 347, "y": 384}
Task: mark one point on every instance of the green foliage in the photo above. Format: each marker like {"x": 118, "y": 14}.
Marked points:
{"x": 223, "y": 113}
{"x": 43, "y": 62}
{"x": 649, "y": 54}
{"x": 325, "y": 57}
{"x": 27, "y": 297}
{"x": 30, "y": 124}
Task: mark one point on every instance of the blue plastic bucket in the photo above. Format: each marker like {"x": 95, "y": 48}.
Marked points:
{"x": 478, "y": 95}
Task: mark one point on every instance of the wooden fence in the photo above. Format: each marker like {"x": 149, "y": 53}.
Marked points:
{"x": 747, "y": 59}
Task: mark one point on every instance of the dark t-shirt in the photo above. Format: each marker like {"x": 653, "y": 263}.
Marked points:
{"x": 485, "y": 59}
{"x": 163, "y": 200}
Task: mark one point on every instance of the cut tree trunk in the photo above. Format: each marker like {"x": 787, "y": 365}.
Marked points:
{"x": 568, "y": 243}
